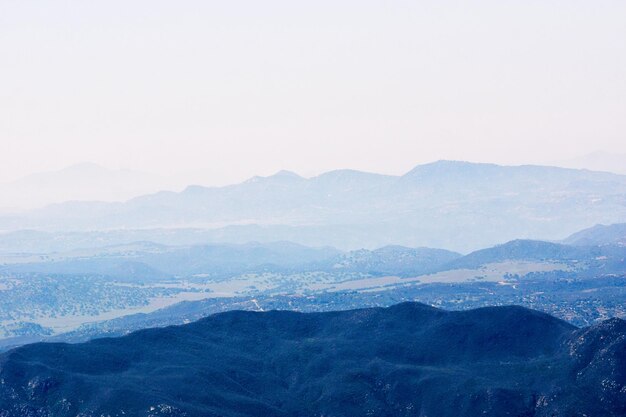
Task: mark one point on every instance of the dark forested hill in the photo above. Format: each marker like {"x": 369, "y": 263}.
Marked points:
{"x": 406, "y": 360}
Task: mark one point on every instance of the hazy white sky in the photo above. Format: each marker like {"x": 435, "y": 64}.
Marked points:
{"x": 222, "y": 90}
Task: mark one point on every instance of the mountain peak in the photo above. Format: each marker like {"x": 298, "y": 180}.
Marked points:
{"x": 285, "y": 174}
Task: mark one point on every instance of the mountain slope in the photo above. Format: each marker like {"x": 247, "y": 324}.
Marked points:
{"x": 599, "y": 235}
{"x": 409, "y": 359}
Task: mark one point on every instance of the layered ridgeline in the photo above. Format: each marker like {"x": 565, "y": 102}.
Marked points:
{"x": 455, "y": 205}
{"x": 147, "y": 261}
{"x": 406, "y": 360}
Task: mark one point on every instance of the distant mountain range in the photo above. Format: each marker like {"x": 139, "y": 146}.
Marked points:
{"x": 406, "y": 360}
{"x": 86, "y": 181}
{"x": 459, "y": 206}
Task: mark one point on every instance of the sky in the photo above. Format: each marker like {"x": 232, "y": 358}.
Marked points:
{"x": 214, "y": 92}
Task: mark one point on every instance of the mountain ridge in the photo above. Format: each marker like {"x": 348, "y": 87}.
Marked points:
{"x": 461, "y": 206}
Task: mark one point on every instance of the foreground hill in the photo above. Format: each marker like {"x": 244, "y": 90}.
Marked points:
{"x": 460, "y": 206}
{"x": 406, "y": 360}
